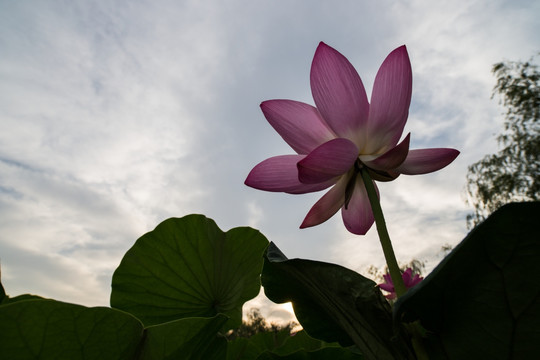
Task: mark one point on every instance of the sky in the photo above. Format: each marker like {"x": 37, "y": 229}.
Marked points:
{"x": 116, "y": 115}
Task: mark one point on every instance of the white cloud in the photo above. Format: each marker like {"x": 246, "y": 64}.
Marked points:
{"x": 273, "y": 313}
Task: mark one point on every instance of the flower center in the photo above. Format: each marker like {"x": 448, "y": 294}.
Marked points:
{"x": 378, "y": 175}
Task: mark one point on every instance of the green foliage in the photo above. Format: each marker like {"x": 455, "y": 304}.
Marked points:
{"x": 283, "y": 345}
{"x": 483, "y": 300}
{"x": 184, "y": 268}
{"x": 188, "y": 267}
{"x": 252, "y": 347}
{"x": 8, "y": 300}
{"x": 334, "y": 303}
{"x": 186, "y": 280}
{"x": 513, "y": 173}
{"x": 191, "y": 338}
{"x": 321, "y": 354}
{"x": 48, "y": 329}
{"x": 301, "y": 341}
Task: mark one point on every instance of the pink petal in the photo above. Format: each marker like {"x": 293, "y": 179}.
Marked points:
{"x": 331, "y": 159}
{"x": 339, "y": 93}
{"x": 327, "y": 206}
{"x": 358, "y": 217}
{"x": 387, "y": 287}
{"x": 407, "y": 277}
{"x": 390, "y": 101}
{"x": 280, "y": 174}
{"x": 416, "y": 280}
{"x": 392, "y": 158}
{"x": 299, "y": 124}
{"x": 423, "y": 161}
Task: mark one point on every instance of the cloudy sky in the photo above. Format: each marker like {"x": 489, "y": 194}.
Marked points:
{"x": 116, "y": 115}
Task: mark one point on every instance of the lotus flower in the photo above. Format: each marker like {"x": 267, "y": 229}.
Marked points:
{"x": 408, "y": 279}
{"x": 343, "y": 134}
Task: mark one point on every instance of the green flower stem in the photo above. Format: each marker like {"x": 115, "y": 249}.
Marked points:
{"x": 395, "y": 273}
{"x": 393, "y": 268}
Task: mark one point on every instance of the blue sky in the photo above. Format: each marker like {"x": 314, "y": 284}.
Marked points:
{"x": 116, "y": 115}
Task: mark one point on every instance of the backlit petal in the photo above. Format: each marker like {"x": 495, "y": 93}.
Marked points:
{"x": 416, "y": 280}
{"x": 299, "y": 124}
{"x": 339, "y": 93}
{"x": 387, "y": 287}
{"x": 423, "y": 161}
{"x": 331, "y": 159}
{"x": 358, "y": 216}
{"x": 392, "y": 158}
{"x": 390, "y": 102}
{"x": 280, "y": 174}
{"x": 406, "y": 276}
{"x": 327, "y": 206}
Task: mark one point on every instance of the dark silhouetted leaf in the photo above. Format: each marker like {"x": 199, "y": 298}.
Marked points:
{"x": 10, "y": 300}
{"x": 250, "y": 348}
{"x": 48, "y": 329}
{"x": 483, "y": 300}
{"x": 334, "y": 304}
{"x": 280, "y": 344}
{"x": 321, "y": 354}
{"x": 190, "y": 338}
{"x": 188, "y": 267}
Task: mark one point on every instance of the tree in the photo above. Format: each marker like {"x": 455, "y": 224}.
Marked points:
{"x": 255, "y": 324}
{"x": 513, "y": 173}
